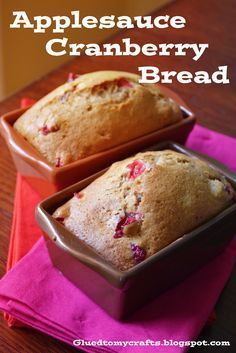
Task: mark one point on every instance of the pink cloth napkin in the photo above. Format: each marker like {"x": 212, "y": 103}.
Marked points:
{"x": 214, "y": 144}
{"x": 38, "y": 295}
{"x": 46, "y": 300}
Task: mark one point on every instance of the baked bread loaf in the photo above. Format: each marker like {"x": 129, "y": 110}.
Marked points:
{"x": 144, "y": 203}
{"x": 95, "y": 112}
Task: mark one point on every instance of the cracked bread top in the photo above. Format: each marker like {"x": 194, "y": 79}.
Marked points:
{"x": 143, "y": 203}
{"x": 95, "y": 112}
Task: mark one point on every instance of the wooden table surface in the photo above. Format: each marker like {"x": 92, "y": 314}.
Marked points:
{"x": 208, "y": 21}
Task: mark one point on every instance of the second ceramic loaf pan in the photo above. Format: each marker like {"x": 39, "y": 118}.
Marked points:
{"x": 122, "y": 292}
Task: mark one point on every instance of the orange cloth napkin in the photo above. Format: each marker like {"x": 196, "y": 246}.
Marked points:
{"x": 23, "y": 221}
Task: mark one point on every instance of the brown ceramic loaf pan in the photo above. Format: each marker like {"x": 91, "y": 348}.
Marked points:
{"x": 119, "y": 293}
{"x": 48, "y": 179}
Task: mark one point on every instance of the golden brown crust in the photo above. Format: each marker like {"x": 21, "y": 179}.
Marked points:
{"x": 144, "y": 203}
{"x": 93, "y": 113}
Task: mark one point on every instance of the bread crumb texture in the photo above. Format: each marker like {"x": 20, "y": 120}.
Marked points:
{"x": 143, "y": 203}
{"x": 93, "y": 113}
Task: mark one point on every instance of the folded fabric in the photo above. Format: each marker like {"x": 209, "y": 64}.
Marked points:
{"x": 23, "y": 216}
{"x": 214, "y": 144}
{"x": 38, "y": 295}
{"x": 25, "y": 232}
{"x": 46, "y": 300}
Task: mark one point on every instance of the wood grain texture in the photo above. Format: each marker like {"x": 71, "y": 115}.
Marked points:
{"x": 208, "y": 21}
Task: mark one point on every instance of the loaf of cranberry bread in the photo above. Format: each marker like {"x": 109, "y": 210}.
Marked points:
{"x": 144, "y": 203}
{"x": 95, "y": 112}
